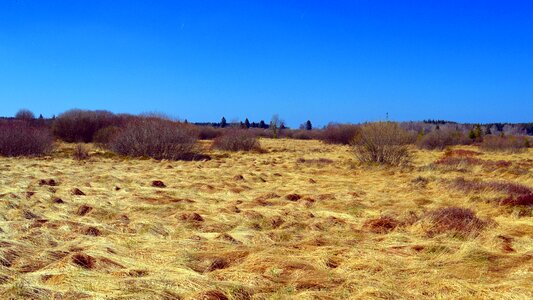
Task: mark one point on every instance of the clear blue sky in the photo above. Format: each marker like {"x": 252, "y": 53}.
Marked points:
{"x": 350, "y": 61}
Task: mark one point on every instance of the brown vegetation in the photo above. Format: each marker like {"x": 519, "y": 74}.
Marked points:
{"x": 343, "y": 134}
{"x": 236, "y": 140}
{"x": 21, "y": 139}
{"x": 507, "y": 143}
{"x": 382, "y": 143}
{"x": 155, "y": 138}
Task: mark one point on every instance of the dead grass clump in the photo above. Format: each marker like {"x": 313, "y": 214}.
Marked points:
{"x": 516, "y": 194}
{"x": 191, "y": 217}
{"x": 381, "y": 225}
{"x": 210, "y": 295}
{"x": 80, "y": 152}
{"x": 339, "y": 133}
{"x": 155, "y": 138}
{"x": 84, "y": 210}
{"x": 77, "y": 192}
{"x": 49, "y": 182}
{"x": 217, "y": 263}
{"x": 382, "y": 143}
{"x": 293, "y": 197}
{"x": 504, "y": 144}
{"x": 237, "y": 140}
{"x": 158, "y": 183}
{"x": 20, "y": 139}
{"x": 227, "y": 238}
{"x": 461, "y": 153}
{"x": 455, "y": 220}
{"x": 58, "y": 201}
{"x": 459, "y": 161}
{"x": 83, "y": 260}
{"x": 92, "y": 231}
{"x": 319, "y": 161}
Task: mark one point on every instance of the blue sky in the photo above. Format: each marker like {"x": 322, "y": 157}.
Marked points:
{"x": 346, "y": 61}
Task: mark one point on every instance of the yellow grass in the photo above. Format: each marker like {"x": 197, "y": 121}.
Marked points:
{"x": 251, "y": 244}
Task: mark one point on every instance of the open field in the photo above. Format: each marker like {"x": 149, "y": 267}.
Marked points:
{"x": 304, "y": 220}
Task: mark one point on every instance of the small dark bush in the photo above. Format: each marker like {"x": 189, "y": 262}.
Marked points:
{"x": 159, "y": 139}
{"x": 339, "y": 133}
{"x": 455, "y": 220}
{"x": 20, "y": 139}
{"x": 80, "y": 125}
{"x": 440, "y": 139}
{"x": 506, "y": 144}
{"x": 236, "y": 140}
{"x": 383, "y": 143}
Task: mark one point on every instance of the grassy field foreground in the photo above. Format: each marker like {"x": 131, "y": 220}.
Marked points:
{"x": 303, "y": 220}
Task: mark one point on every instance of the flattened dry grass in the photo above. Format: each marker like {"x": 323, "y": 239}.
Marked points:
{"x": 303, "y": 220}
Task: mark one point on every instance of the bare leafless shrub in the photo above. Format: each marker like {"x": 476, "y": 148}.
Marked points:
{"x": 25, "y": 114}
{"x": 339, "y": 133}
{"x": 440, "y": 139}
{"x": 80, "y": 152}
{"x": 505, "y": 143}
{"x": 260, "y": 132}
{"x": 208, "y": 132}
{"x": 20, "y": 139}
{"x": 454, "y": 220}
{"x": 383, "y": 143}
{"x": 156, "y": 138}
{"x": 302, "y": 134}
{"x": 236, "y": 140}
{"x": 80, "y": 125}
{"x": 105, "y": 135}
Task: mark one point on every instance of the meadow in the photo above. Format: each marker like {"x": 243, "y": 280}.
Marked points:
{"x": 300, "y": 219}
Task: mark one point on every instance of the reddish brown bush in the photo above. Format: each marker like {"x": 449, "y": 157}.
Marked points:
{"x": 20, "y": 139}
{"x": 236, "y": 140}
{"x": 105, "y": 135}
{"x": 455, "y": 220}
{"x": 440, "y": 139}
{"x": 25, "y": 114}
{"x": 339, "y": 133}
{"x": 208, "y": 132}
{"x": 156, "y": 138}
{"x": 81, "y": 125}
{"x": 382, "y": 143}
{"x": 506, "y": 144}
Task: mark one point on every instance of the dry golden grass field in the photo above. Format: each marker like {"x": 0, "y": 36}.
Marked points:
{"x": 303, "y": 220}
